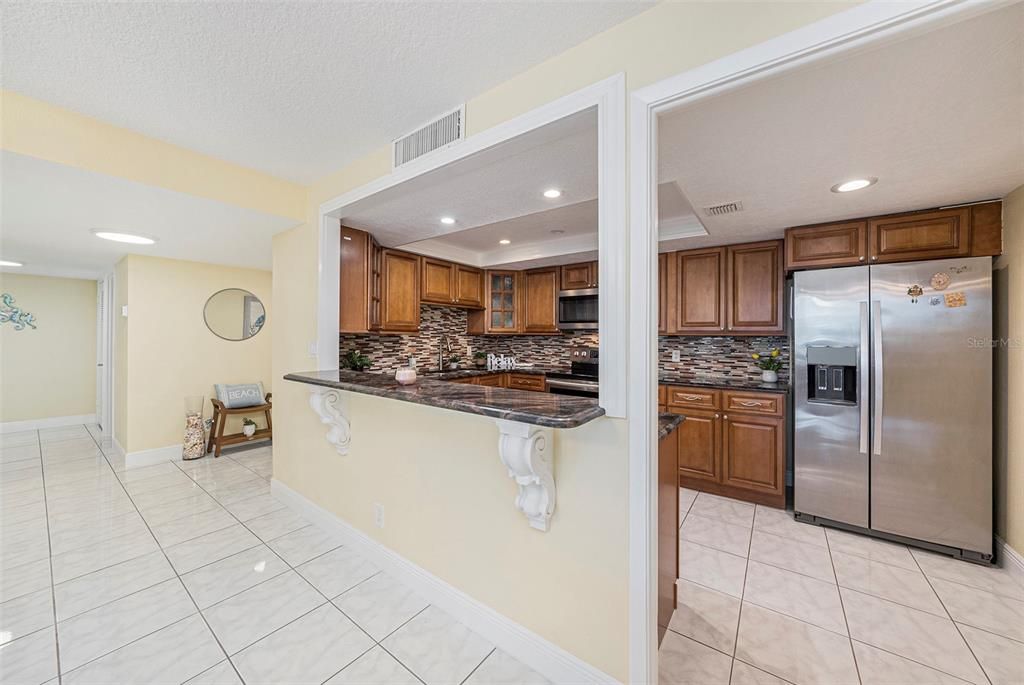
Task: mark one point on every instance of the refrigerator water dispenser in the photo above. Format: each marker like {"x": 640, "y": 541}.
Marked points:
{"x": 832, "y": 375}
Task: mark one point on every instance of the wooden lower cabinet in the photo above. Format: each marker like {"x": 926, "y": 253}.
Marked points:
{"x": 514, "y": 381}
{"x": 754, "y": 454}
{"x": 668, "y": 529}
{"x": 731, "y": 443}
{"x": 700, "y": 445}
{"x": 526, "y": 381}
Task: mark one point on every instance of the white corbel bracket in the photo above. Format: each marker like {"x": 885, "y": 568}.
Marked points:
{"x": 528, "y": 453}
{"x": 332, "y": 409}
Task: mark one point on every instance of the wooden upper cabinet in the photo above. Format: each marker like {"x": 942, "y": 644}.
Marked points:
{"x": 754, "y": 288}
{"x": 974, "y": 230}
{"x": 448, "y": 283}
{"x": 469, "y": 286}
{"x": 400, "y": 293}
{"x": 359, "y": 282}
{"x": 502, "y": 307}
{"x": 844, "y": 244}
{"x": 987, "y": 229}
{"x": 700, "y": 291}
{"x": 354, "y": 281}
{"x": 437, "y": 281}
{"x": 578, "y": 276}
{"x": 540, "y": 300}
{"x": 921, "y": 235}
{"x": 663, "y": 288}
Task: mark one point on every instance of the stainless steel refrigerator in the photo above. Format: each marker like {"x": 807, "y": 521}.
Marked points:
{"x": 893, "y": 405}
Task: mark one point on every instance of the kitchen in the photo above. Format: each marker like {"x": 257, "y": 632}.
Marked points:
{"x": 779, "y": 435}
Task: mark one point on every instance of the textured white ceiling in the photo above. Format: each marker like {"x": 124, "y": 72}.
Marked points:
{"x": 938, "y": 118}
{"x": 49, "y": 211}
{"x": 296, "y": 89}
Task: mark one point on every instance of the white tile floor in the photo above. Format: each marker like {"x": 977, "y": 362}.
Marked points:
{"x": 764, "y": 599}
{"x": 192, "y": 572}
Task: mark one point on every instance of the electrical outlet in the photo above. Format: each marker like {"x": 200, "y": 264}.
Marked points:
{"x": 378, "y": 515}
{"x": 675, "y": 355}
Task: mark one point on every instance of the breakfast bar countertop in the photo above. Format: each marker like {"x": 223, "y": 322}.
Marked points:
{"x": 524, "y": 406}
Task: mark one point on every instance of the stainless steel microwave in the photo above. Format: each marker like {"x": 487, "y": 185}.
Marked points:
{"x": 577, "y": 309}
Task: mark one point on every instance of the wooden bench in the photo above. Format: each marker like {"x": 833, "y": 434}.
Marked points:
{"x": 220, "y": 416}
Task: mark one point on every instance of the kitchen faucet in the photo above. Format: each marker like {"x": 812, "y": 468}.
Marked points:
{"x": 445, "y": 346}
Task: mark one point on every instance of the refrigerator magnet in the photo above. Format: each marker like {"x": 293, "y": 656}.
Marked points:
{"x": 915, "y": 291}
{"x": 957, "y": 299}
{"x": 940, "y": 280}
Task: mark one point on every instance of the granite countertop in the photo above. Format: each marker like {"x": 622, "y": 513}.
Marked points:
{"x": 473, "y": 371}
{"x": 525, "y": 406}
{"x": 668, "y": 423}
{"x": 721, "y": 382}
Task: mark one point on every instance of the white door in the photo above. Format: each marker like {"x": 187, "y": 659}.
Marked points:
{"x": 104, "y": 352}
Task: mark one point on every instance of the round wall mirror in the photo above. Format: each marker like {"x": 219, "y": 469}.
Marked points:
{"x": 234, "y": 314}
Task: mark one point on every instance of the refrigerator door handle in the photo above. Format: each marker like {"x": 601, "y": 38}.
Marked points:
{"x": 862, "y": 373}
{"x": 878, "y": 376}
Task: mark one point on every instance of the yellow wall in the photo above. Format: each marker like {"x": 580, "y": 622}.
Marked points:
{"x": 39, "y": 129}
{"x": 49, "y": 371}
{"x": 1009, "y": 374}
{"x": 168, "y": 352}
{"x": 448, "y": 501}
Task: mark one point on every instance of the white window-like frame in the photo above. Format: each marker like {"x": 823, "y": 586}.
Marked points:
{"x": 870, "y": 24}
{"x": 609, "y": 99}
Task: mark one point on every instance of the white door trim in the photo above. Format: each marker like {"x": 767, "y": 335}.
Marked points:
{"x": 609, "y": 97}
{"x": 871, "y": 23}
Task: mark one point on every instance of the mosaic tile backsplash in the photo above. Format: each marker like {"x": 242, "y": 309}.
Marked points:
{"x": 715, "y": 356}
{"x": 720, "y": 355}
{"x": 388, "y": 352}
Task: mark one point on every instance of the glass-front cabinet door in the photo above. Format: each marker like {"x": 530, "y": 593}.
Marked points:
{"x": 502, "y": 289}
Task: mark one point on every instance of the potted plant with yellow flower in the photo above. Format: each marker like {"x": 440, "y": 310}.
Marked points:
{"x": 769, "y": 364}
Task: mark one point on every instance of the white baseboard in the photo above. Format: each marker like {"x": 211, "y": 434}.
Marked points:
{"x": 543, "y": 656}
{"x": 52, "y": 422}
{"x": 156, "y": 455}
{"x": 1012, "y": 560}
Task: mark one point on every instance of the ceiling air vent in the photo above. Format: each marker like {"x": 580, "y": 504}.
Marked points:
{"x": 440, "y": 133}
{"x": 724, "y": 208}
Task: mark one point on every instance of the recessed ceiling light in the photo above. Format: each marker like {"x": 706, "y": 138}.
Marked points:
{"x": 557, "y": 231}
{"x": 504, "y": 241}
{"x": 855, "y": 184}
{"x": 447, "y": 220}
{"x": 4, "y": 262}
{"x": 124, "y": 237}
{"x": 552, "y": 193}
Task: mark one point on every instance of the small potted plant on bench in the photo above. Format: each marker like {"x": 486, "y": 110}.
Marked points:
{"x": 248, "y": 427}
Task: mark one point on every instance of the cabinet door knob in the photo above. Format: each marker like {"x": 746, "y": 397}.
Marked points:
{"x": 717, "y": 416}
{"x": 861, "y": 258}
{"x": 874, "y": 257}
